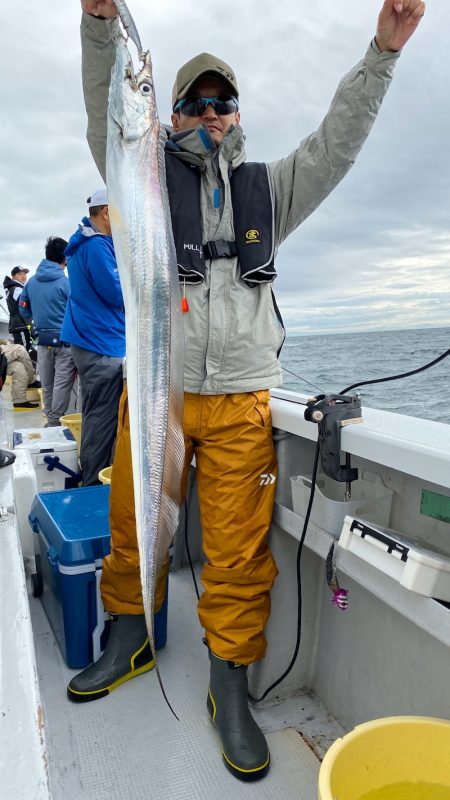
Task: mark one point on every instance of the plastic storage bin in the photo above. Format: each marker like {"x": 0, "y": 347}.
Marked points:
{"x": 413, "y": 564}
{"x": 371, "y": 499}
{"x": 105, "y": 475}
{"x": 72, "y": 532}
{"x": 73, "y": 422}
{"x": 33, "y": 395}
{"x": 402, "y": 751}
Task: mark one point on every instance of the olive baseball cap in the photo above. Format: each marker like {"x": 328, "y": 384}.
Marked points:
{"x": 203, "y": 64}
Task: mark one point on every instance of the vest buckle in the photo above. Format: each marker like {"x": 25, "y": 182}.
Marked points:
{"x": 219, "y": 249}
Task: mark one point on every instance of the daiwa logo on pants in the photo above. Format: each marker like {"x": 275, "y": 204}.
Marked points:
{"x": 266, "y": 479}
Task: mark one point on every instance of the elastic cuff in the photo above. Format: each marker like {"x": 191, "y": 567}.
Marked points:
{"x": 105, "y": 19}
{"x": 383, "y": 53}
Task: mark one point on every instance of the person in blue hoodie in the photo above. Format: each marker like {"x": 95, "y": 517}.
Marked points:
{"x": 44, "y": 300}
{"x": 94, "y": 324}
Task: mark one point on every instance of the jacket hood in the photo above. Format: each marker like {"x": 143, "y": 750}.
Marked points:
{"x": 85, "y": 231}
{"x": 8, "y": 282}
{"x": 49, "y": 271}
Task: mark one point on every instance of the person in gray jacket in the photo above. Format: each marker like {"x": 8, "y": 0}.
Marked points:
{"x": 228, "y": 218}
{"x": 44, "y": 301}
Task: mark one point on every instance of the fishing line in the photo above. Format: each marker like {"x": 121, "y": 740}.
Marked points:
{"x": 285, "y": 369}
{"x": 308, "y": 514}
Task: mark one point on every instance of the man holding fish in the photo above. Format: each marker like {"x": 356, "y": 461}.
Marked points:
{"x": 228, "y": 219}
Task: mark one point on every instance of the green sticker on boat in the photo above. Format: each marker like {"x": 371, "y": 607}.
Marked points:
{"x": 435, "y": 505}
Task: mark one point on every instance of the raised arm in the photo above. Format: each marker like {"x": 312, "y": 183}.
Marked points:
{"x": 98, "y": 26}
{"x": 308, "y": 175}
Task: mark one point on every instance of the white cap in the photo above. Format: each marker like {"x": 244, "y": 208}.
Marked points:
{"x": 98, "y": 198}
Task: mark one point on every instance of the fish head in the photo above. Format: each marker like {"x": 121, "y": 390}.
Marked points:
{"x": 132, "y": 103}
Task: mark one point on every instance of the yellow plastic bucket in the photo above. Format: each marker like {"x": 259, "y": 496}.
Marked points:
{"x": 411, "y": 752}
{"x": 73, "y": 422}
{"x": 105, "y": 475}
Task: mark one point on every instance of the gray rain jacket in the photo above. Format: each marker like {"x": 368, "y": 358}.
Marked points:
{"x": 232, "y": 332}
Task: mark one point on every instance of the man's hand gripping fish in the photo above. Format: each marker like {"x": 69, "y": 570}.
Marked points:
{"x": 143, "y": 241}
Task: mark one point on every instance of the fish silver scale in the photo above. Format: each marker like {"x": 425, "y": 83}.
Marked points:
{"x": 143, "y": 241}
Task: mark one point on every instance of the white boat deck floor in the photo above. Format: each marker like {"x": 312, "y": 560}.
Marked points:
{"x": 129, "y": 746}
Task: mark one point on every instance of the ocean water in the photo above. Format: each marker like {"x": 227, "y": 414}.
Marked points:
{"x": 335, "y": 361}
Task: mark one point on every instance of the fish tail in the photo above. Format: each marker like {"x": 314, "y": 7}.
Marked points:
{"x": 129, "y": 25}
{"x": 164, "y": 692}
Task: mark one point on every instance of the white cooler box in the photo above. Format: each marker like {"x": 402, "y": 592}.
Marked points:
{"x": 411, "y": 563}
{"x": 25, "y": 489}
{"x": 54, "y": 455}
{"x": 370, "y": 499}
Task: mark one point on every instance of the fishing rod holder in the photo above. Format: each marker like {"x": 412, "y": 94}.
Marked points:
{"x": 331, "y": 412}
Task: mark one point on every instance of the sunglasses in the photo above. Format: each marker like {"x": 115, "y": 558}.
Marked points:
{"x": 196, "y": 106}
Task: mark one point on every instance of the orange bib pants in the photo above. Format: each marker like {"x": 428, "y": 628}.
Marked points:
{"x": 231, "y": 437}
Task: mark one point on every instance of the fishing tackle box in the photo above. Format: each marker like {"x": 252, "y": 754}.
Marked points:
{"x": 54, "y": 455}
{"x": 415, "y": 565}
{"x": 72, "y": 535}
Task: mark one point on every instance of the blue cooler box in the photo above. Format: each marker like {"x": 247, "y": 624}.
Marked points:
{"x": 72, "y": 535}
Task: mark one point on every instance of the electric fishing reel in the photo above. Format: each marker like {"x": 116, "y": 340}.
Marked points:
{"x": 330, "y": 412}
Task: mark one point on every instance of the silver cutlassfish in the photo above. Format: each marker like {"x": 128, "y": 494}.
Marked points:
{"x": 146, "y": 258}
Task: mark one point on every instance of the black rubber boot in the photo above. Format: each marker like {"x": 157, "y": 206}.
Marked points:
{"x": 126, "y": 655}
{"x": 244, "y": 747}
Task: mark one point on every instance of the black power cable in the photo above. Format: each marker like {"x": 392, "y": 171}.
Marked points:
{"x": 299, "y": 585}
{"x": 186, "y": 542}
{"x": 401, "y": 375}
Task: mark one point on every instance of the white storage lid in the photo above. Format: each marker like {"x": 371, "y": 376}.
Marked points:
{"x": 415, "y": 566}
{"x": 35, "y": 440}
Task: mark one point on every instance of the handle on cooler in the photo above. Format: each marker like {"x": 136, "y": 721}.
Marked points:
{"x": 53, "y": 462}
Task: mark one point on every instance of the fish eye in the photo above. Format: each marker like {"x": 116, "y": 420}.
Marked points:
{"x": 145, "y": 88}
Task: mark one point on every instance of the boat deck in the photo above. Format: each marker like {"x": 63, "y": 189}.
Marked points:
{"x": 129, "y": 745}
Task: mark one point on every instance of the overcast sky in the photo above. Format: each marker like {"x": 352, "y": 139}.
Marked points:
{"x": 375, "y": 255}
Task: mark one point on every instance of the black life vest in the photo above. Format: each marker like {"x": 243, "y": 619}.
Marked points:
{"x": 253, "y": 220}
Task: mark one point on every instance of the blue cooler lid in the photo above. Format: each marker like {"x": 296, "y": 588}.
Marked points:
{"x": 75, "y": 522}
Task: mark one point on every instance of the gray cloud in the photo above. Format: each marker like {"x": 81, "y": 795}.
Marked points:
{"x": 376, "y": 253}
